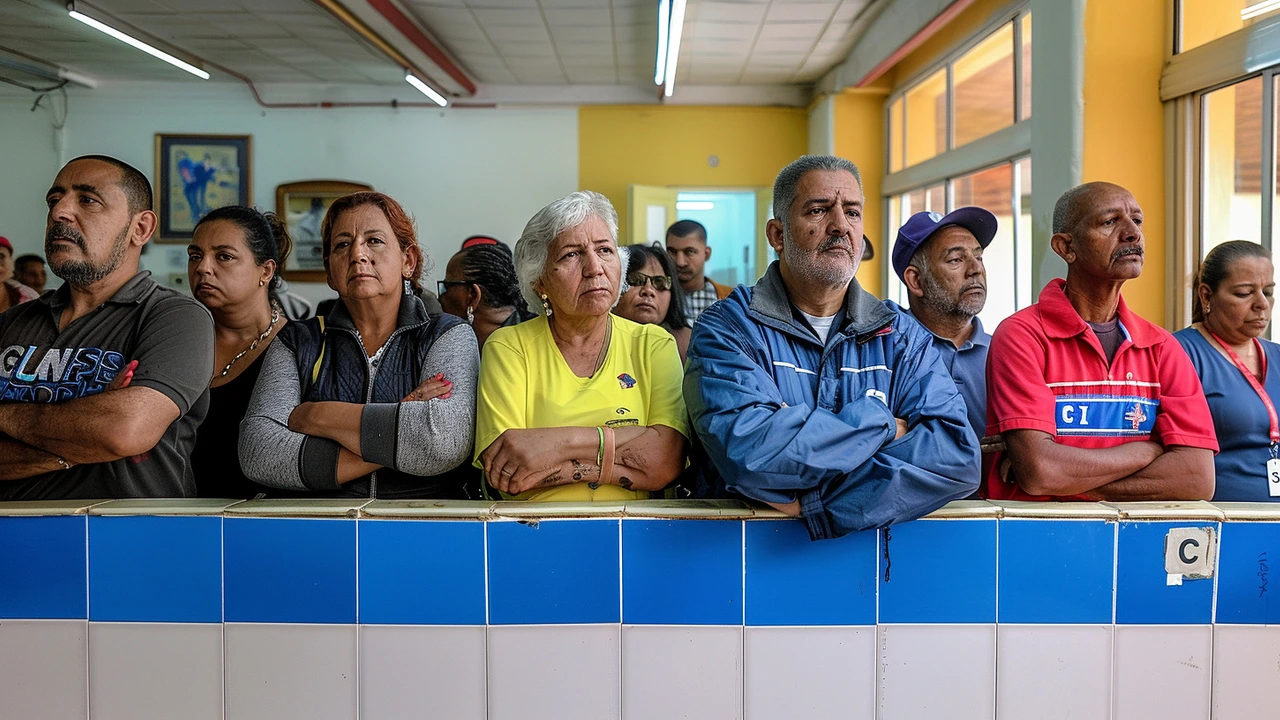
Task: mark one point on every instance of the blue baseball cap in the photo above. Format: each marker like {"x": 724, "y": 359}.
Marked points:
{"x": 921, "y": 226}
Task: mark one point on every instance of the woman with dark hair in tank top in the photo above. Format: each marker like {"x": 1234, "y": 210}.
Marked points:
{"x": 232, "y": 265}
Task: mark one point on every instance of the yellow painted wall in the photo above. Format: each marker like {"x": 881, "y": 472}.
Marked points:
{"x": 859, "y": 137}
{"x": 622, "y": 145}
{"x": 1124, "y": 125}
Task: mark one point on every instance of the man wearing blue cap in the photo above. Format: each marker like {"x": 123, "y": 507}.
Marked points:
{"x": 813, "y": 396}
{"x": 939, "y": 260}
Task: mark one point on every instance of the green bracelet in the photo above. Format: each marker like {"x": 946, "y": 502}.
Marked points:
{"x": 600, "y": 452}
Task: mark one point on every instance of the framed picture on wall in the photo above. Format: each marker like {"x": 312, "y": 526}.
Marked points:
{"x": 197, "y": 173}
{"x": 302, "y": 206}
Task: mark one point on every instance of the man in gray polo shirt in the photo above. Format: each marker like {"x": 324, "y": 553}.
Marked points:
{"x": 103, "y": 382}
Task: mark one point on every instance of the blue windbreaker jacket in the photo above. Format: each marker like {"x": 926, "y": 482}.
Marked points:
{"x": 782, "y": 417}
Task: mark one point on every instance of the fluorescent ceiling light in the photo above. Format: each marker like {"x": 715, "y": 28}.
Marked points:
{"x": 695, "y": 205}
{"x": 664, "y": 25}
{"x": 425, "y": 89}
{"x": 1261, "y": 8}
{"x": 673, "y": 45}
{"x": 130, "y": 40}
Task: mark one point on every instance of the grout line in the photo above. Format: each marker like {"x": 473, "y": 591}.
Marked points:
{"x": 356, "y": 679}
{"x": 995, "y": 676}
{"x": 88, "y": 689}
{"x": 222, "y": 569}
{"x": 742, "y": 685}
{"x": 622, "y": 659}
{"x": 1115, "y": 594}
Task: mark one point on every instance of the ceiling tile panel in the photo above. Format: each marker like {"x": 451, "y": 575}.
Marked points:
{"x": 800, "y": 11}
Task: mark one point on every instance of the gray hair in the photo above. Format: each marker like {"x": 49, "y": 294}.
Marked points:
{"x": 568, "y": 212}
{"x": 784, "y": 187}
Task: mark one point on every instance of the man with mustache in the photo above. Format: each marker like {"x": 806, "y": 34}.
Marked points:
{"x": 811, "y": 395}
{"x": 939, "y": 260}
{"x": 104, "y": 381}
{"x": 1092, "y": 401}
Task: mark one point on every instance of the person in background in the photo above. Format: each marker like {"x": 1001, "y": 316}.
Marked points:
{"x": 1233, "y": 296}
{"x": 1091, "y": 401}
{"x": 476, "y": 240}
{"x": 811, "y": 395}
{"x": 939, "y": 260}
{"x": 104, "y": 381}
{"x": 480, "y": 285}
{"x": 232, "y": 264}
{"x": 652, "y": 295}
{"x": 29, "y": 270}
{"x": 377, "y": 398}
{"x": 12, "y": 291}
{"x": 687, "y": 244}
{"x": 578, "y": 404}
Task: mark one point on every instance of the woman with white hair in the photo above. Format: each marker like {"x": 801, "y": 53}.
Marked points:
{"x": 578, "y": 404}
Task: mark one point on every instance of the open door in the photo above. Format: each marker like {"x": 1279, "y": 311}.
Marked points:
{"x": 650, "y": 211}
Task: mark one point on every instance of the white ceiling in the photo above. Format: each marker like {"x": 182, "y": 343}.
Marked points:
{"x": 588, "y": 43}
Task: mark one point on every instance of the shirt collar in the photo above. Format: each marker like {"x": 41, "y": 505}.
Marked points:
{"x": 978, "y": 337}
{"x": 134, "y": 291}
{"x": 1062, "y": 321}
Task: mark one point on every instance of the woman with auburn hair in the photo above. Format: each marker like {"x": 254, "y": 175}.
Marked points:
{"x": 376, "y": 399}
{"x": 578, "y": 404}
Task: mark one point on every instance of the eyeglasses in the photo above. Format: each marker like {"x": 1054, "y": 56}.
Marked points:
{"x": 442, "y": 286}
{"x": 661, "y": 283}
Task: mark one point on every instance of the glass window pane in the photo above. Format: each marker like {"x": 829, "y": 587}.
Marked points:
{"x": 993, "y": 189}
{"x": 927, "y": 118}
{"x": 1231, "y": 188}
{"x": 1022, "y": 238}
{"x": 1205, "y": 20}
{"x": 895, "y": 136}
{"x": 894, "y": 290}
{"x": 1026, "y": 67}
{"x": 1275, "y": 200}
{"x": 983, "y": 80}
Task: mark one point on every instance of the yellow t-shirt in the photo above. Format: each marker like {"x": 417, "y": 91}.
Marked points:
{"x": 526, "y": 383}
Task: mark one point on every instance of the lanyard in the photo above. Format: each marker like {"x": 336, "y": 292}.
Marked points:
{"x": 1253, "y": 383}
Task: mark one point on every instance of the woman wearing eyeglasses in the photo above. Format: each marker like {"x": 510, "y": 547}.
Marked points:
{"x": 578, "y": 404}
{"x": 480, "y": 286}
{"x": 653, "y": 298}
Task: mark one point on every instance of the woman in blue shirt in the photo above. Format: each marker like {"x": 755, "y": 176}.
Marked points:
{"x": 1232, "y": 307}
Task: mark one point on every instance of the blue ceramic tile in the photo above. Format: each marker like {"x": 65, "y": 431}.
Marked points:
{"x": 1056, "y": 571}
{"x": 42, "y": 568}
{"x": 1248, "y": 577}
{"x": 939, "y": 571}
{"x": 424, "y": 572}
{"x": 792, "y": 580}
{"x": 290, "y": 571}
{"x": 1143, "y": 595}
{"x": 553, "y": 571}
{"x": 682, "y": 572}
{"x": 155, "y": 569}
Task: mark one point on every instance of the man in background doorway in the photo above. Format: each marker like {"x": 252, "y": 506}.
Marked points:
{"x": 687, "y": 245}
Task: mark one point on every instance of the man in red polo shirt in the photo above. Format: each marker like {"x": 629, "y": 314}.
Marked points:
{"x": 1092, "y": 401}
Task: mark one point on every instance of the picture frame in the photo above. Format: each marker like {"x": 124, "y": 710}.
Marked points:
{"x": 196, "y": 174}
{"x": 301, "y": 206}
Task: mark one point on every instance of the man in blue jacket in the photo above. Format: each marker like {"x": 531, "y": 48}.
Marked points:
{"x": 811, "y": 395}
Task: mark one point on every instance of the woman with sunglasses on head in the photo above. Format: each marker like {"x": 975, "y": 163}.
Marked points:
{"x": 654, "y": 298}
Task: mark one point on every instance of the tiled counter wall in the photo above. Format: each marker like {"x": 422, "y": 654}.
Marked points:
{"x": 203, "y": 609}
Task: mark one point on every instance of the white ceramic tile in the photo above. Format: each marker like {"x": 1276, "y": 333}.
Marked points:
{"x": 1054, "y": 671}
{"x": 1246, "y": 672}
{"x": 422, "y": 672}
{"x": 43, "y": 669}
{"x": 810, "y": 673}
{"x": 554, "y": 672}
{"x": 155, "y": 670}
{"x": 1162, "y": 671}
{"x": 290, "y": 671}
{"x": 681, "y": 672}
{"x": 940, "y": 672}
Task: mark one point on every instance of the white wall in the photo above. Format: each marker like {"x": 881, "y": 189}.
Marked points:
{"x": 459, "y": 171}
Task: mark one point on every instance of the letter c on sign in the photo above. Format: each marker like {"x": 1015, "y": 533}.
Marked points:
{"x": 1068, "y": 414}
{"x": 1182, "y": 551}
